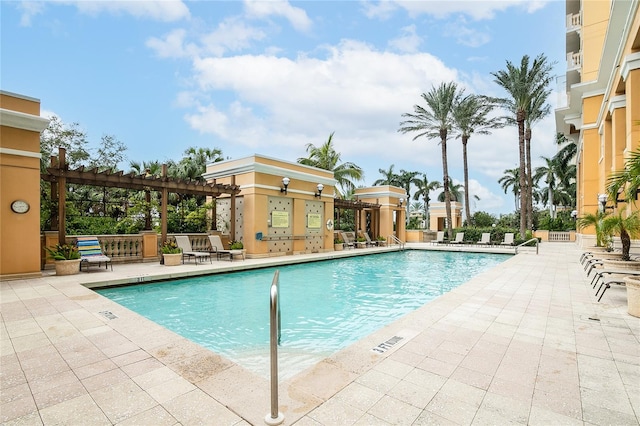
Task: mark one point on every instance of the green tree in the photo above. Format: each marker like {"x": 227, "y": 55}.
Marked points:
{"x": 471, "y": 115}
{"x": 405, "y": 181}
{"x": 548, "y": 172}
{"x": 625, "y": 227}
{"x": 434, "y": 121}
{"x": 626, "y": 180}
{"x": 325, "y": 157}
{"x": 523, "y": 84}
{"x": 424, "y": 187}
{"x": 511, "y": 179}
{"x": 389, "y": 177}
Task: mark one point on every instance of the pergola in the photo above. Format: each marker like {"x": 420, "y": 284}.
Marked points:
{"x": 59, "y": 175}
{"x": 358, "y": 206}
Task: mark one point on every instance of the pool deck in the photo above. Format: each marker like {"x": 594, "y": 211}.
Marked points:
{"x": 523, "y": 343}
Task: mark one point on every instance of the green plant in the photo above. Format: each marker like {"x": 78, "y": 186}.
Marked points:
{"x": 170, "y": 247}
{"x": 236, "y": 245}
{"x": 63, "y": 252}
{"x": 625, "y": 227}
{"x": 603, "y": 238}
{"x": 338, "y": 240}
{"x": 381, "y": 238}
{"x": 361, "y": 239}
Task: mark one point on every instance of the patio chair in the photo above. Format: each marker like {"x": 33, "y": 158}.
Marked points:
{"x": 439, "y": 238}
{"x": 187, "y": 251}
{"x": 218, "y": 248}
{"x": 508, "y": 239}
{"x": 486, "y": 239}
{"x": 91, "y": 253}
{"x": 347, "y": 241}
{"x": 368, "y": 241}
{"x": 459, "y": 238}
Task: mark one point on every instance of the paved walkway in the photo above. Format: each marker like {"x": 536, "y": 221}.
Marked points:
{"x": 523, "y": 343}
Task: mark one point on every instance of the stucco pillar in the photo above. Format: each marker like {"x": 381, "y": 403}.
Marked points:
{"x": 20, "y": 243}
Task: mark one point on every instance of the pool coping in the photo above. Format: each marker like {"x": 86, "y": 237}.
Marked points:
{"x": 180, "y": 380}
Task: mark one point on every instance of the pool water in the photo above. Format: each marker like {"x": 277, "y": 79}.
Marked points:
{"x": 325, "y": 305}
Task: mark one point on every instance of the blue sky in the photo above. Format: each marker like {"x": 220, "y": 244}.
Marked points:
{"x": 269, "y": 77}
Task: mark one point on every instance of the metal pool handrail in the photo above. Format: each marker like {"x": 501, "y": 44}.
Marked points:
{"x": 527, "y": 242}
{"x": 274, "y": 417}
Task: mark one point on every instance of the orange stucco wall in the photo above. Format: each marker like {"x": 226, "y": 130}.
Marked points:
{"x": 20, "y": 250}
{"x": 595, "y": 18}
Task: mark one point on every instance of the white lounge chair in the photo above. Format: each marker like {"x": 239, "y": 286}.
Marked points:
{"x": 508, "y": 239}
{"x": 187, "y": 251}
{"x": 369, "y": 241}
{"x": 459, "y": 238}
{"x": 439, "y": 238}
{"x": 218, "y": 248}
{"x": 486, "y": 239}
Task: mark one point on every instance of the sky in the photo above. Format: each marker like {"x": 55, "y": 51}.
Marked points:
{"x": 270, "y": 77}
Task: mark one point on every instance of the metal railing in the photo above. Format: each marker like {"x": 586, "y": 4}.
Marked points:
{"x": 396, "y": 240}
{"x": 527, "y": 242}
{"x": 274, "y": 417}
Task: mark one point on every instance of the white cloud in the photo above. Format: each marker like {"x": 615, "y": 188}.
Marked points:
{"x": 408, "y": 42}
{"x": 159, "y": 10}
{"x": 29, "y": 10}
{"x": 265, "y": 8}
{"x": 466, "y": 35}
{"x": 475, "y": 9}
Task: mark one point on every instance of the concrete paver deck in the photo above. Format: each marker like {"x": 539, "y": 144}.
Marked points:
{"x": 523, "y": 343}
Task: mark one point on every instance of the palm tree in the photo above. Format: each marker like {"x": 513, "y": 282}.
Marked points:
{"x": 325, "y": 157}
{"x": 424, "y": 187}
{"x": 627, "y": 179}
{"x": 568, "y": 150}
{"x": 595, "y": 220}
{"x": 435, "y": 121}
{"x": 625, "y": 227}
{"x": 405, "y": 180}
{"x": 471, "y": 116}
{"x": 456, "y": 190}
{"x": 522, "y": 84}
{"x": 548, "y": 172}
{"x": 389, "y": 177}
{"x": 511, "y": 179}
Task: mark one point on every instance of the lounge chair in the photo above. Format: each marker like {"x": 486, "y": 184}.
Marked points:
{"x": 508, "y": 239}
{"x": 187, "y": 251}
{"x": 459, "y": 238}
{"x": 91, "y": 253}
{"x": 218, "y": 248}
{"x": 486, "y": 239}
{"x": 439, "y": 238}
{"x": 348, "y": 243}
{"x": 368, "y": 241}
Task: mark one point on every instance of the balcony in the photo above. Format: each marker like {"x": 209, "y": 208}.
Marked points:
{"x": 574, "y": 22}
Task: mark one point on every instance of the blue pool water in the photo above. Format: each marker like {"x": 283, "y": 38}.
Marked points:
{"x": 325, "y": 305}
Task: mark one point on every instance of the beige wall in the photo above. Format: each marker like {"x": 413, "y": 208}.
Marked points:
{"x": 20, "y": 251}
{"x": 388, "y": 197}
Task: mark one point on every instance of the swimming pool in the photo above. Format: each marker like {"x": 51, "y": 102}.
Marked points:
{"x": 325, "y": 305}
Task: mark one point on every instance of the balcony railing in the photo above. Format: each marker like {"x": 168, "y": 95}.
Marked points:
{"x": 574, "y": 60}
{"x": 574, "y": 21}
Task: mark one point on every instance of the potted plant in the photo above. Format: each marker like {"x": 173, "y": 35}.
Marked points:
{"x": 338, "y": 244}
{"x": 626, "y": 228}
{"x": 382, "y": 241}
{"x": 603, "y": 239}
{"x": 67, "y": 258}
{"x": 171, "y": 253}
{"x": 237, "y": 245}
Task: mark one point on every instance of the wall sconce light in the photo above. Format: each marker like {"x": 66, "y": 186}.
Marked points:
{"x": 285, "y": 184}
{"x": 400, "y": 201}
{"x": 574, "y": 214}
{"x": 320, "y": 187}
{"x": 602, "y": 200}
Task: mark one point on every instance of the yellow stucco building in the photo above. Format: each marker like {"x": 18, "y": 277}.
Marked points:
{"x": 601, "y": 109}
{"x": 20, "y": 127}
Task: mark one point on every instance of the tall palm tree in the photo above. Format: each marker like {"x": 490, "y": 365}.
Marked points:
{"x": 548, "y": 172}
{"x": 522, "y": 83}
{"x": 389, "y": 177}
{"x": 625, "y": 227}
{"x": 424, "y": 187}
{"x": 471, "y": 115}
{"x": 456, "y": 190}
{"x": 511, "y": 179}
{"x": 405, "y": 180}
{"x": 435, "y": 121}
{"x": 568, "y": 150}
{"x": 325, "y": 157}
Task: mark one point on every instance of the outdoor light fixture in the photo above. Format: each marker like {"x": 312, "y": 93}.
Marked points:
{"x": 320, "y": 187}
{"x": 602, "y": 199}
{"x": 285, "y": 184}
{"x": 574, "y": 214}
{"x": 400, "y": 201}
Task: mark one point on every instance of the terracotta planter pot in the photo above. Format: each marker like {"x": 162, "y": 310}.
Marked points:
{"x": 67, "y": 267}
{"x": 338, "y": 247}
{"x": 173, "y": 259}
{"x": 633, "y": 295}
